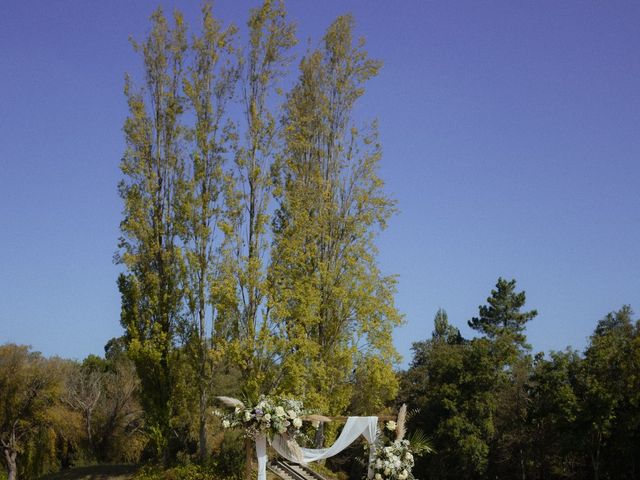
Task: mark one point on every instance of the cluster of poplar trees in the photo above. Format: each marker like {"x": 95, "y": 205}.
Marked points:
{"x": 251, "y": 205}
{"x": 495, "y": 411}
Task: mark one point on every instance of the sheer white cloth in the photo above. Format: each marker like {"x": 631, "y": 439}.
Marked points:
{"x": 353, "y": 428}
{"x": 261, "y": 452}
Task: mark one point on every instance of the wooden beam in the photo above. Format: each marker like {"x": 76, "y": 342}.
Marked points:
{"x": 380, "y": 417}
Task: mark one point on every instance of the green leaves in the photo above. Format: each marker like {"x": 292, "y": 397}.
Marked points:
{"x": 331, "y": 304}
{"x": 294, "y": 300}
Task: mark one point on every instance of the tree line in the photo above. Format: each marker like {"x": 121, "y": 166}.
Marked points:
{"x": 488, "y": 406}
{"x": 494, "y": 410}
{"x": 55, "y": 413}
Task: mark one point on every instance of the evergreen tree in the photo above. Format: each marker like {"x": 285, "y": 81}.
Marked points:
{"x": 443, "y": 331}
{"x": 502, "y": 321}
{"x": 503, "y": 324}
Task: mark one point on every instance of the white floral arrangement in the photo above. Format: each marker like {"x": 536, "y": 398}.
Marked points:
{"x": 269, "y": 417}
{"x": 393, "y": 461}
{"x": 394, "y": 455}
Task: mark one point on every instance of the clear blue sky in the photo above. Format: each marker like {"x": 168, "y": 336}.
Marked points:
{"x": 511, "y": 133}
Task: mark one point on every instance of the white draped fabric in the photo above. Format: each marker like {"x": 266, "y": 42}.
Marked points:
{"x": 261, "y": 452}
{"x": 353, "y": 428}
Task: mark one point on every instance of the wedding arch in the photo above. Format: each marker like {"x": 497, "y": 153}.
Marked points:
{"x": 278, "y": 421}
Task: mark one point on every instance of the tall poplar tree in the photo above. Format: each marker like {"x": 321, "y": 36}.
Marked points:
{"x": 209, "y": 84}
{"x": 243, "y": 287}
{"x": 150, "y": 288}
{"x": 333, "y": 308}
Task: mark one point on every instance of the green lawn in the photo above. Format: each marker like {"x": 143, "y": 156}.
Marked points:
{"x": 96, "y": 472}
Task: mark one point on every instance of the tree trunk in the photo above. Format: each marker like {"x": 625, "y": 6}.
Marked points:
{"x": 10, "y": 457}
{"x": 89, "y": 434}
{"x": 595, "y": 458}
{"x": 203, "y": 425}
{"x": 202, "y": 382}
{"x": 248, "y": 468}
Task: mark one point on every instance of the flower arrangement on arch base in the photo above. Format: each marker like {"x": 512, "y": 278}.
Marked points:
{"x": 394, "y": 454}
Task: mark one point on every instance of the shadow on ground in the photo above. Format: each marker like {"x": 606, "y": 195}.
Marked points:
{"x": 95, "y": 472}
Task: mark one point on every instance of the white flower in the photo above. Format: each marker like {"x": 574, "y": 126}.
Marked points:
{"x": 391, "y": 425}
{"x": 247, "y": 415}
{"x": 403, "y": 475}
{"x": 297, "y": 422}
{"x": 378, "y": 476}
{"x": 282, "y": 429}
{"x": 387, "y": 471}
{"x": 267, "y": 417}
{"x": 397, "y": 464}
{"x": 408, "y": 456}
{"x": 226, "y": 423}
{"x": 292, "y": 414}
{"x": 279, "y": 411}
{"x": 315, "y": 424}
{"x": 378, "y": 463}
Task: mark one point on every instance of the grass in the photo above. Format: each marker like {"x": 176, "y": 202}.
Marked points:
{"x": 95, "y": 472}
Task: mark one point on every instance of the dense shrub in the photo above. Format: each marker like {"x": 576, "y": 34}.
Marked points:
{"x": 183, "y": 472}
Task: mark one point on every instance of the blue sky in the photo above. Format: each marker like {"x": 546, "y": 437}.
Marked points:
{"x": 511, "y": 135}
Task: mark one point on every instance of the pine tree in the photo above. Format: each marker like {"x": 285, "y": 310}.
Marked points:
{"x": 502, "y": 321}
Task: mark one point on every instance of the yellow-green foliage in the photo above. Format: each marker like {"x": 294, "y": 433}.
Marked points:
{"x": 333, "y": 308}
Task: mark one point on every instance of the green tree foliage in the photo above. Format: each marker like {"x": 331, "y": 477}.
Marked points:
{"x": 243, "y": 288}
{"x": 208, "y": 85}
{"x": 33, "y": 422}
{"x": 209, "y": 286}
{"x": 333, "y": 309}
{"x": 609, "y": 397}
{"x": 492, "y": 415}
{"x": 451, "y": 380}
{"x": 554, "y": 406}
{"x": 502, "y": 322}
{"x": 151, "y": 287}
{"x": 55, "y": 413}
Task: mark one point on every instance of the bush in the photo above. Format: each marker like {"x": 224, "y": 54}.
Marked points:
{"x": 228, "y": 461}
{"x": 182, "y": 472}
